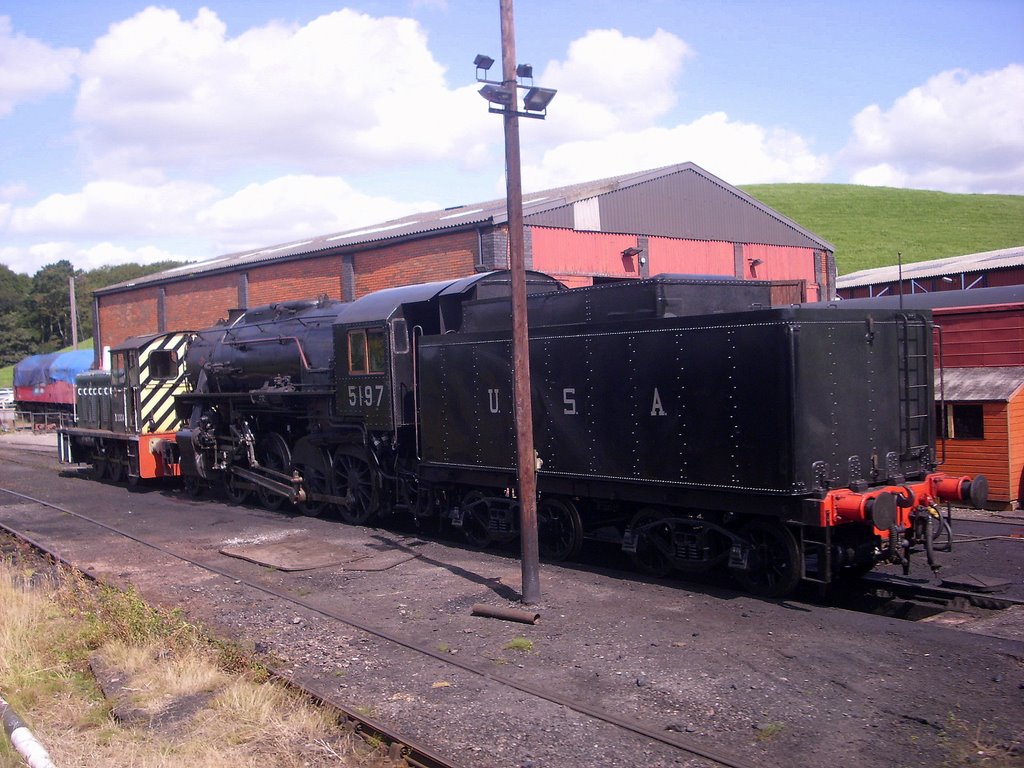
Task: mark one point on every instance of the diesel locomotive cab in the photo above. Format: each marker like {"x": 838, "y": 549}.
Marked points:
{"x": 126, "y": 416}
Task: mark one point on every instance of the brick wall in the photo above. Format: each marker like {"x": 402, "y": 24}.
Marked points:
{"x": 419, "y": 261}
{"x": 127, "y": 314}
{"x": 203, "y": 301}
{"x": 305, "y": 279}
{"x": 200, "y": 302}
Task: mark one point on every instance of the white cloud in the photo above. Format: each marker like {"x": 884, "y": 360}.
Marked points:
{"x": 282, "y": 209}
{"x": 346, "y": 91}
{"x": 959, "y": 132}
{"x": 610, "y": 81}
{"x": 111, "y": 208}
{"x": 294, "y": 207}
{"x": 739, "y": 153}
{"x": 31, "y": 259}
{"x": 30, "y": 69}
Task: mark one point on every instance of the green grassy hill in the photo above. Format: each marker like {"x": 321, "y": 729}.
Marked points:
{"x": 868, "y": 225}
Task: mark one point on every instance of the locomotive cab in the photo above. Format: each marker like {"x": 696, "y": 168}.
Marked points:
{"x": 365, "y": 373}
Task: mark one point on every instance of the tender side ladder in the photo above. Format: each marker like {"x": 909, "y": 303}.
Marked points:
{"x": 914, "y": 339}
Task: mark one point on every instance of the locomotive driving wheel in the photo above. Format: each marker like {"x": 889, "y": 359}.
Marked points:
{"x": 560, "y": 530}
{"x": 192, "y": 486}
{"x": 115, "y": 463}
{"x": 235, "y": 491}
{"x": 273, "y": 454}
{"x": 98, "y": 461}
{"x": 316, "y": 470}
{"x": 653, "y": 553}
{"x": 774, "y": 560}
{"x": 353, "y": 481}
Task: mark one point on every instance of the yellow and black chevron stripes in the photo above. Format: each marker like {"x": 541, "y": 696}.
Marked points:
{"x": 161, "y": 377}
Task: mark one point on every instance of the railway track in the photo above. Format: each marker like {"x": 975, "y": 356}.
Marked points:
{"x": 944, "y": 596}
{"x": 408, "y": 749}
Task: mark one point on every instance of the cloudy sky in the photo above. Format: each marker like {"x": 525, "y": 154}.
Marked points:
{"x": 135, "y": 132}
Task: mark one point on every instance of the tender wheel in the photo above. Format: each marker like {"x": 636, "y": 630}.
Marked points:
{"x": 774, "y": 564}
{"x": 317, "y": 472}
{"x": 653, "y": 554}
{"x": 560, "y": 530}
{"x": 273, "y": 454}
{"x": 353, "y": 481}
{"x": 116, "y": 470}
{"x": 476, "y": 520}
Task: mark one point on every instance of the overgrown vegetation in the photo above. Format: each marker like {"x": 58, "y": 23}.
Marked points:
{"x": 35, "y": 312}
{"x": 869, "y": 225}
{"x": 54, "y": 630}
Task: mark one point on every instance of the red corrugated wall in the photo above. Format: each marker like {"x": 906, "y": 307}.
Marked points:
{"x": 565, "y": 253}
{"x": 982, "y": 336}
{"x": 780, "y": 262}
{"x": 690, "y": 257}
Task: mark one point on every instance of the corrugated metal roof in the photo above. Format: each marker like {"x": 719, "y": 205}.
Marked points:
{"x": 953, "y": 265}
{"x": 971, "y": 297}
{"x": 539, "y": 208}
{"x": 981, "y": 384}
{"x": 685, "y": 201}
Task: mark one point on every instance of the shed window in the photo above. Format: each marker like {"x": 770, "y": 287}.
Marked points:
{"x": 367, "y": 351}
{"x": 163, "y": 364}
{"x": 965, "y": 421}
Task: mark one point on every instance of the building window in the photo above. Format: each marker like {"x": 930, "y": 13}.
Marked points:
{"x": 964, "y": 421}
{"x": 367, "y": 351}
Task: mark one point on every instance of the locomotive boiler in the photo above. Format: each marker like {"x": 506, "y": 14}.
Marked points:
{"x": 685, "y": 419}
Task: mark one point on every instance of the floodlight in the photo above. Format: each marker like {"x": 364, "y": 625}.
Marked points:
{"x": 537, "y": 99}
{"x": 498, "y": 95}
{"x": 524, "y": 70}
{"x": 483, "y": 62}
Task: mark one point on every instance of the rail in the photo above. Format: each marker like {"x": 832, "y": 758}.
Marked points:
{"x": 676, "y": 741}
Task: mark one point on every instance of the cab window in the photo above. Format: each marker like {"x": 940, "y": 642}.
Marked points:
{"x": 117, "y": 369}
{"x": 367, "y": 351}
{"x": 163, "y": 364}
{"x": 399, "y": 336}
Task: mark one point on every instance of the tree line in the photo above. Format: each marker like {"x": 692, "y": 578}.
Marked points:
{"x": 35, "y": 312}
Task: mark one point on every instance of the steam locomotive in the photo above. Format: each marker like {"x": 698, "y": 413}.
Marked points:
{"x": 685, "y": 419}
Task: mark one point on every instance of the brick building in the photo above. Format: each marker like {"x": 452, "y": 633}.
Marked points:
{"x": 678, "y": 219}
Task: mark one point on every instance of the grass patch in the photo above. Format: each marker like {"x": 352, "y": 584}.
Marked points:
{"x": 868, "y": 225}
{"x": 968, "y": 745}
{"x": 51, "y": 627}
{"x": 769, "y": 731}
{"x": 521, "y": 644}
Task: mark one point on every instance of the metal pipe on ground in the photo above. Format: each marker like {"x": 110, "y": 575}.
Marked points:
{"x": 508, "y": 614}
{"x": 32, "y": 752}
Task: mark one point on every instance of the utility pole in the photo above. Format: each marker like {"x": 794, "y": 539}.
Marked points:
{"x": 526, "y": 457}
{"x": 74, "y": 313}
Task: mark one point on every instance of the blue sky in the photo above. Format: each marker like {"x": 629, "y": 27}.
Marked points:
{"x": 137, "y": 132}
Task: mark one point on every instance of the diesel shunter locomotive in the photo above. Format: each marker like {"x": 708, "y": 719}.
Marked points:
{"x": 686, "y": 419}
